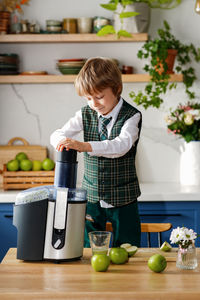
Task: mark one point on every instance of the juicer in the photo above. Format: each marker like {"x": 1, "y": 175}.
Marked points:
{"x": 51, "y": 219}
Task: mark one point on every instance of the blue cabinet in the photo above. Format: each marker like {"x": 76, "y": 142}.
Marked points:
{"x": 178, "y": 213}
{"x": 8, "y": 232}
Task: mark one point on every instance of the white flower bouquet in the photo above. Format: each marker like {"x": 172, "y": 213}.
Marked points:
{"x": 183, "y": 237}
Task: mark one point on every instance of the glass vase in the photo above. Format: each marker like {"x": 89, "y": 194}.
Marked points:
{"x": 187, "y": 258}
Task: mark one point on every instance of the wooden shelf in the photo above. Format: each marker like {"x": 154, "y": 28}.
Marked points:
{"x": 69, "y": 38}
{"x": 70, "y": 78}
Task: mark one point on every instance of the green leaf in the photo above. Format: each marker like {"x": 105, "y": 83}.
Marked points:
{"x": 128, "y": 14}
{"x": 126, "y": 2}
{"x": 166, "y": 25}
{"x": 123, "y": 33}
{"x": 108, "y": 29}
{"x": 109, "y": 6}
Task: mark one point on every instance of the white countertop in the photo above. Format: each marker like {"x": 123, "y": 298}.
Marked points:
{"x": 150, "y": 192}
{"x": 169, "y": 192}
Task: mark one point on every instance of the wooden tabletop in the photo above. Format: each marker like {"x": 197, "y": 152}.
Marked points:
{"x": 77, "y": 280}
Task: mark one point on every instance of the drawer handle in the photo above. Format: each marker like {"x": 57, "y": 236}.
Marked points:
{"x": 160, "y": 215}
{"x": 8, "y": 216}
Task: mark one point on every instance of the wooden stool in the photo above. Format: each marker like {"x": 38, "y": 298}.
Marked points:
{"x": 148, "y": 228}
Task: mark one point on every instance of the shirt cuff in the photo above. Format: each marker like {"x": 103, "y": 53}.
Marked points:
{"x": 97, "y": 147}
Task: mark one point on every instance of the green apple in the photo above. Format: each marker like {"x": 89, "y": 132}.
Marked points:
{"x": 100, "y": 262}
{"x": 37, "y": 165}
{"x": 166, "y": 247}
{"x": 157, "y": 263}
{"x": 20, "y": 156}
{"x": 26, "y": 165}
{"x": 48, "y": 164}
{"x": 118, "y": 255}
{"x": 13, "y": 165}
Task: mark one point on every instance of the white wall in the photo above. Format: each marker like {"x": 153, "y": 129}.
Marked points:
{"x": 33, "y": 111}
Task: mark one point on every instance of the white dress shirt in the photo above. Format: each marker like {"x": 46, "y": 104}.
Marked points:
{"x": 117, "y": 147}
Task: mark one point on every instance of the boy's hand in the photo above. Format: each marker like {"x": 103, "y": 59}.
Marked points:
{"x": 74, "y": 144}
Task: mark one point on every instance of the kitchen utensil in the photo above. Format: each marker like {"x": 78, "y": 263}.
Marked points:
{"x": 69, "y": 70}
{"x": 71, "y": 59}
{"x": 34, "y": 73}
{"x": 51, "y": 219}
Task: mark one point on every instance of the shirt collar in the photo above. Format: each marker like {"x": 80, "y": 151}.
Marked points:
{"x": 113, "y": 113}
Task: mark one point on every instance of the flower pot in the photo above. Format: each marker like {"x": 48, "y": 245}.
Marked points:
{"x": 190, "y": 163}
{"x": 170, "y": 62}
{"x": 136, "y": 24}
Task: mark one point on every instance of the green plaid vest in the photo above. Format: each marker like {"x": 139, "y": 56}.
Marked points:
{"x": 113, "y": 180}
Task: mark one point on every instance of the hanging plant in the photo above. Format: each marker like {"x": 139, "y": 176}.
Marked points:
{"x": 157, "y": 51}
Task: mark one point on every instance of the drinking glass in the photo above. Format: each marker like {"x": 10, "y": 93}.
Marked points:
{"x": 99, "y": 241}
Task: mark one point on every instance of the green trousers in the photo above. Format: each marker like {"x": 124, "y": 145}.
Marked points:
{"x": 125, "y": 222}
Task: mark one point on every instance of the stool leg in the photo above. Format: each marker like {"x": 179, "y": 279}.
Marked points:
{"x": 148, "y": 239}
{"x": 159, "y": 239}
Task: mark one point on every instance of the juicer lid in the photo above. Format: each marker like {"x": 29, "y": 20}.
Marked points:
{"x": 49, "y": 192}
{"x": 32, "y": 195}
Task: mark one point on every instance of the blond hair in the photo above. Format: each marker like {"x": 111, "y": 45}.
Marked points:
{"x": 97, "y": 74}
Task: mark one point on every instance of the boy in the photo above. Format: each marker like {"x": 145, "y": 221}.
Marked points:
{"x": 111, "y": 130}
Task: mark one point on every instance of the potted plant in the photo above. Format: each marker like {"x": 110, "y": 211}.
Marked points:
{"x": 125, "y": 11}
{"x": 157, "y": 51}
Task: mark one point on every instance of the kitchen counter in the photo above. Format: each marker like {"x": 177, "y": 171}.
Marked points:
{"x": 150, "y": 192}
{"x": 77, "y": 280}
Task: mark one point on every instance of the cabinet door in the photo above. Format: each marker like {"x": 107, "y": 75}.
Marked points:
{"x": 8, "y": 232}
{"x": 178, "y": 213}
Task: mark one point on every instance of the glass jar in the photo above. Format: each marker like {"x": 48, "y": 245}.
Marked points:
{"x": 187, "y": 258}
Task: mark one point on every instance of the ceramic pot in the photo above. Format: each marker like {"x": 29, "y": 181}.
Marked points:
{"x": 84, "y": 25}
{"x": 169, "y": 61}
{"x": 70, "y": 25}
{"x": 190, "y": 163}
{"x": 136, "y": 24}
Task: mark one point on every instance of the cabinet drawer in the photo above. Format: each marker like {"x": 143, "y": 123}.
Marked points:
{"x": 178, "y": 213}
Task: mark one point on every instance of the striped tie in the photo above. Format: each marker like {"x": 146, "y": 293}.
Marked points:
{"x": 103, "y": 131}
